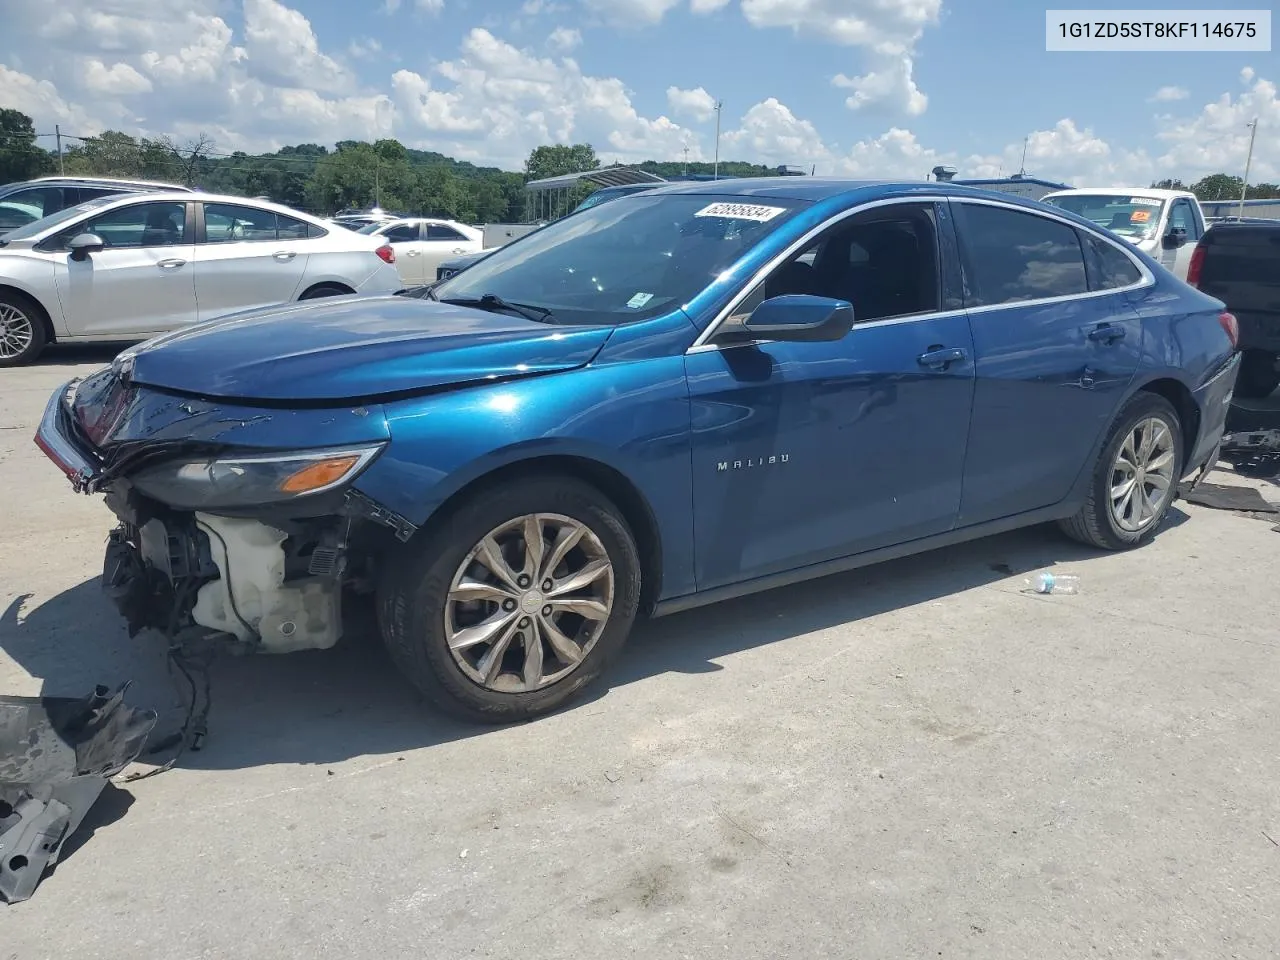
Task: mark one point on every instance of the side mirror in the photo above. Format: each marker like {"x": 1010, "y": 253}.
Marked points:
{"x": 1175, "y": 238}
{"x": 84, "y": 244}
{"x": 800, "y": 318}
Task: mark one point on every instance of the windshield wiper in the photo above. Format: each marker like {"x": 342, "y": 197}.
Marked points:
{"x": 491, "y": 301}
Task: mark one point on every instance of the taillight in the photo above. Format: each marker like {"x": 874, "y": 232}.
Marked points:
{"x": 1230, "y": 327}
{"x": 1196, "y": 265}
{"x": 387, "y": 253}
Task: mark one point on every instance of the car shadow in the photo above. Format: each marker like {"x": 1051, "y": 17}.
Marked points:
{"x": 324, "y": 707}
{"x": 71, "y": 354}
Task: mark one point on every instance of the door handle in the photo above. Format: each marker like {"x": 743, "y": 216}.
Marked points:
{"x": 284, "y": 256}
{"x": 170, "y": 264}
{"x": 1106, "y": 333}
{"x": 939, "y": 357}
{"x": 457, "y": 250}
{"x": 411, "y": 253}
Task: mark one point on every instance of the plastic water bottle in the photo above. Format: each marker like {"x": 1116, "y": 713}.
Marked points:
{"x": 1055, "y": 583}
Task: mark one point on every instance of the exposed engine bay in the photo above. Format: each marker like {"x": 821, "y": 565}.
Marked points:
{"x": 268, "y": 588}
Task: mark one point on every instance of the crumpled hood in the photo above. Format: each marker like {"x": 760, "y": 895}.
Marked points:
{"x": 352, "y": 348}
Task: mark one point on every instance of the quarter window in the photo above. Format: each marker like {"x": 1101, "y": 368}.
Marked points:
{"x": 1015, "y": 256}
{"x": 136, "y": 225}
{"x": 1113, "y": 267}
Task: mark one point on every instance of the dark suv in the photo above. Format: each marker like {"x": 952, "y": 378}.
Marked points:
{"x": 1239, "y": 263}
{"x": 31, "y": 200}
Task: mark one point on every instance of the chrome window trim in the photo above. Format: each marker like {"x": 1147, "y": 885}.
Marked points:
{"x": 701, "y": 342}
{"x": 1146, "y": 278}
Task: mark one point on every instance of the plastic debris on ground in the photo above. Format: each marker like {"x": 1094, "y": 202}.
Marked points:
{"x": 56, "y": 755}
{"x": 1054, "y": 583}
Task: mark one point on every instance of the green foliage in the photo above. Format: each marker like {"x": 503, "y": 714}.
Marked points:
{"x": 20, "y": 158}
{"x": 558, "y": 159}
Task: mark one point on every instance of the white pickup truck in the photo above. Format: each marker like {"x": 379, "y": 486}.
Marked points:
{"x": 1165, "y": 224}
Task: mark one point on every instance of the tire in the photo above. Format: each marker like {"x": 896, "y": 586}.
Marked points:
{"x": 1258, "y": 376}
{"x": 1097, "y": 523}
{"x": 324, "y": 290}
{"x": 417, "y": 615}
{"x": 23, "y": 334}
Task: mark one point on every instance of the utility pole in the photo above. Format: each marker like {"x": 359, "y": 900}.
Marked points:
{"x": 716, "y": 174}
{"x": 1022, "y": 170}
{"x": 57, "y": 132}
{"x": 686, "y": 159}
{"x": 1244, "y": 188}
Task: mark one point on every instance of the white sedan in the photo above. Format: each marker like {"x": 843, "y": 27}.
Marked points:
{"x": 129, "y": 267}
{"x": 423, "y": 243}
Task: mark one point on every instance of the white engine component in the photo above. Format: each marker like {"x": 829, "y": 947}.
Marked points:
{"x": 251, "y": 600}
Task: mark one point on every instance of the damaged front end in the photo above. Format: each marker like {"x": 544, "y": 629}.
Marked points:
{"x": 234, "y": 520}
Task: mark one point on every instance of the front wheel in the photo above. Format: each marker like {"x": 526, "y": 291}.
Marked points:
{"x": 1135, "y": 477}
{"x": 516, "y": 602}
{"x": 22, "y": 331}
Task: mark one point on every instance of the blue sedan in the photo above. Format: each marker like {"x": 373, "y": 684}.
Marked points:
{"x": 674, "y": 398}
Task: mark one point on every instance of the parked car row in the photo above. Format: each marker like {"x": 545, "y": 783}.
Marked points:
{"x": 128, "y": 266}
{"x": 692, "y": 393}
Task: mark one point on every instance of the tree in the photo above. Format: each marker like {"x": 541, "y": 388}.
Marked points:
{"x": 20, "y": 158}
{"x": 1218, "y": 186}
{"x": 558, "y": 159}
{"x": 1168, "y": 185}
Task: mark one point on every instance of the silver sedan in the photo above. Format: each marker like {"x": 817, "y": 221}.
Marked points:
{"x": 129, "y": 267}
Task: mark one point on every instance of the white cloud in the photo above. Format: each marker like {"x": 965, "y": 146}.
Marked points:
{"x": 1169, "y": 94}
{"x": 631, "y": 12}
{"x": 707, "y": 6}
{"x": 390, "y": 6}
{"x": 771, "y": 133}
{"x": 564, "y": 39}
{"x": 889, "y": 87}
{"x": 1217, "y": 139}
{"x": 495, "y": 102}
{"x": 119, "y": 79}
{"x": 363, "y": 47}
{"x": 696, "y": 104}
{"x": 429, "y": 6}
{"x": 281, "y": 42}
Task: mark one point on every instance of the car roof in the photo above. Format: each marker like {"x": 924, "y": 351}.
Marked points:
{"x": 1124, "y": 192}
{"x": 107, "y": 182}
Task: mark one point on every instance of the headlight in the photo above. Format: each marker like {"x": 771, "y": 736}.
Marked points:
{"x": 246, "y": 481}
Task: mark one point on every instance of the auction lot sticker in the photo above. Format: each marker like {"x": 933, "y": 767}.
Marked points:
{"x": 1170, "y": 31}
{"x": 740, "y": 211}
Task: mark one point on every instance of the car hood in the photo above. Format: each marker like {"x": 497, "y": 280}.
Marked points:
{"x": 355, "y": 348}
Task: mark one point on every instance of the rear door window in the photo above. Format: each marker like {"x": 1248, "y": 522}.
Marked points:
{"x": 1014, "y": 257}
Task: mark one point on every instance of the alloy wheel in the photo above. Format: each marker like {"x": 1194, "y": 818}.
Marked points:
{"x": 1142, "y": 476}
{"x": 529, "y": 602}
{"x": 16, "y": 332}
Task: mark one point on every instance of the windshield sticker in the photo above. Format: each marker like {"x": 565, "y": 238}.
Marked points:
{"x": 1145, "y": 201}
{"x": 639, "y": 300}
{"x": 740, "y": 211}
{"x": 1140, "y": 216}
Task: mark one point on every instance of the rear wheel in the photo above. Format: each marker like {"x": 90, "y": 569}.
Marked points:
{"x": 514, "y": 604}
{"x": 22, "y": 330}
{"x": 1258, "y": 375}
{"x": 1135, "y": 477}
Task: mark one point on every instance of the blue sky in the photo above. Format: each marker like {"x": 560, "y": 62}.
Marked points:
{"x": 858, "y": 87}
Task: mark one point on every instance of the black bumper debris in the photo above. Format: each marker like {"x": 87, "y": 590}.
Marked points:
{"x": 56, "y": 755}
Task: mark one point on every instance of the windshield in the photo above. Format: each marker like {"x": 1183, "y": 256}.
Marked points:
{"x": 54, "y": 219}
{"x": 370, "y": 228}
{"x": 629, "y": 259}
{"x": 1130, "y": 216}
